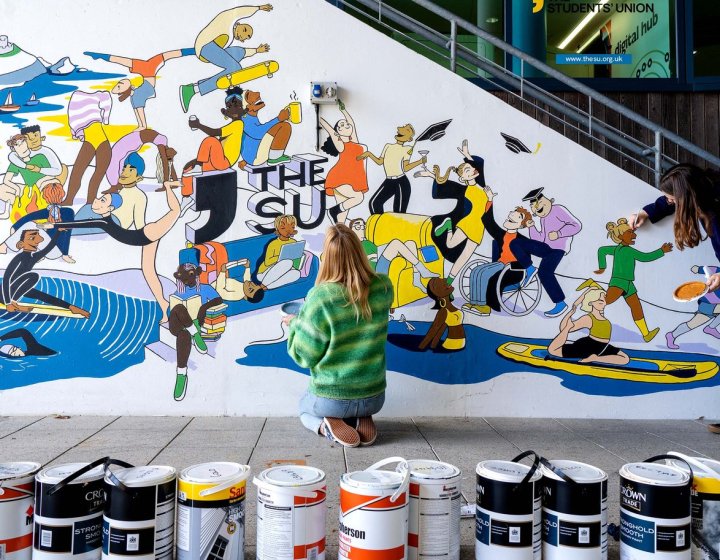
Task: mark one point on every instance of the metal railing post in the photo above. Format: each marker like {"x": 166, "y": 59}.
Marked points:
{"x": 522, "y": 79}
{"x": 658, "y": 158}
{"x": 453, "y": 45}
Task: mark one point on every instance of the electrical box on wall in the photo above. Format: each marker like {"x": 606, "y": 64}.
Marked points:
{"x": 323, "y": 92}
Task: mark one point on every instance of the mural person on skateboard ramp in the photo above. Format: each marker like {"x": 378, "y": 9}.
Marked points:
{"x": 214, "y": 45}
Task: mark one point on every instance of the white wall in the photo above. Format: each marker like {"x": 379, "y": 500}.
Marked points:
{"x": 383, "y": 85}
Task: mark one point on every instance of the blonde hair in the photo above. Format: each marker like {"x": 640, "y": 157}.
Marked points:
{"x": 287, "y": 218}
{"x": 590, "y": 297}
{"x": 615, "y": 230}
{"x": 344, "y": 262}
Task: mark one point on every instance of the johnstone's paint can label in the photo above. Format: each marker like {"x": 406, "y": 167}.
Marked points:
{"x": 68, "y": 524}
{"x": 654, "y": 518}
{"x": 575, "y": 516}
{"x": 705, "y": 519}
{"x": 508, "y": 522}
{"x": 210, "y": 527}
{"x": 139, "y": 522}
{"x": 291, "y": 513}
{"x": 16, "y": 510}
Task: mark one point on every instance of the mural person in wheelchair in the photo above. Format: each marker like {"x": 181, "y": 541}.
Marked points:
{"x": 508, "y": 282}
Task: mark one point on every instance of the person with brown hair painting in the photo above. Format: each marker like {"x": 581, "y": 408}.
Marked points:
{"x": 693, "y": 196}
{"x": 623, "y": 271}
{"x": 340, "y": 334}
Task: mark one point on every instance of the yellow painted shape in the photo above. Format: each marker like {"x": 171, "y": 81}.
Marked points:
{"x": 114, "y": 131}
{"x": 523, "y": 353}
{"x": 44, "y": 309}
{"x": 267, "y": 68}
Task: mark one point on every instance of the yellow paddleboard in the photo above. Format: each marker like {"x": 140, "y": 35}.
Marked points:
{"x": 50, "y": 310}
{"x": 639, "y": 369}
{"x": 248, "y": 74}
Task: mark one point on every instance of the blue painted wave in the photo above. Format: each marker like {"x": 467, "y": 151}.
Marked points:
{"x": 111, "y": 340}
{"x": 480, "y": 362}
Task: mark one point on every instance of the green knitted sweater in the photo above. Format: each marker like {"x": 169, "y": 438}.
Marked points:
{"x": 346, "y": 356}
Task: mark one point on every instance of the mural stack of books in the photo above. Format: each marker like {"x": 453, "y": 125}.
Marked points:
{"x": 214, "y": 325}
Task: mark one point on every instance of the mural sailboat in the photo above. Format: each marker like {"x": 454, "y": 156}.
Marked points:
{"x": 9, "y": 106}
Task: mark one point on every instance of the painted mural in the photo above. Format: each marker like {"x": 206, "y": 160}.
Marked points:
{"x": 136, "y": 239}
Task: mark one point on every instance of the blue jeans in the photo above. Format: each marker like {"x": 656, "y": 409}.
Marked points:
{"x": 228, "y": 59}
{"x": 313, "y": 409}
{"x": 480, "y": 277}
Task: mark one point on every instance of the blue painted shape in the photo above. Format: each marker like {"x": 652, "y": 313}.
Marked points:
{"x": 454, "y": 368}
{"x": 112, "y": 340}
{"x": 253, "y": 248}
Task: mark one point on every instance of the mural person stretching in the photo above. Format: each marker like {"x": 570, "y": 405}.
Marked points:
{"x": 148, "y": 237}
{"x": 623, "y": 271}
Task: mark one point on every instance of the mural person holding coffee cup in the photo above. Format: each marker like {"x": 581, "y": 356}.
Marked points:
{"x": 266, "y": 142}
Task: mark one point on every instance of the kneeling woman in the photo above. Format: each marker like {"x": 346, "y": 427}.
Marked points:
{"x": 595, "y": 347}
{"x": 340, "y": 336}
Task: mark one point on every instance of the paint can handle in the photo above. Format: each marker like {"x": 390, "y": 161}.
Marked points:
{"x": 403, "y": 488}
{"x": 674, "y": 457}
{"x": 225, "y": 485}
{"x": 548, "y": 465}
{"x": 289, "y": 490}
{"x": 533, "y": 468}
{"x": 111, "y": 475}
{"x": 87, "y": 468}
{"x": 385, "y": 462}
{"x": 697, "y": 465}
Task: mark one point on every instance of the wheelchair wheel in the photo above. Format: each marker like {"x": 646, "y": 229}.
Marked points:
{"x": 514, "y": 298}
{"x": 465, "y": 277}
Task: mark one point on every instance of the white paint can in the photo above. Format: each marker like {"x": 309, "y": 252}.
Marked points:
{"x": 211, "y": 512}
{"x": 705, "y": 511}
{"x": 291, "y": 513}
{"x": 17, "y": 498}
{"x": 69, "y": 501}
{"x": 139, "y": 516}
{"x": 654, "y": 512}
{"x": 508, "y": 518}
{"x": 374, "y": 513}
{"x": 434, "y": 513}
{"x": 574, "y": 511}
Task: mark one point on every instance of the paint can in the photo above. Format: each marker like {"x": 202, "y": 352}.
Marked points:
{"x": 574, "y": 511}
{"x": 291, "y": 513}
{"x": 705, "y": 504}
{"x": 374, "y": 513}
{"x": 211, "y": 512}
{"x": 654, "y": 511}
{"x": 139, "y": 516}
{"x": 508, "y": 518}
{"x": 17, "y": 497}
{"x": 434, "y": 512}
{"x": 69, "y": 502}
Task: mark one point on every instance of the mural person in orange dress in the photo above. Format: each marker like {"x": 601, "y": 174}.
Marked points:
{"x": 347, "y": 179}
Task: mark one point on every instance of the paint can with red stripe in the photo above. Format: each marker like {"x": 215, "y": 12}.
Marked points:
{"x": 17, "y": 499}
{"x": 374, "y": 513}
{"x": 211, "y": 512}
{"x": 291, "y": 512}
{"x": 69, "y": 501}
{"x": 434, "y": 514}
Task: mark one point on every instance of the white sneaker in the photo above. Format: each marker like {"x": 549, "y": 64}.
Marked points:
{"x": 195, "y": 171}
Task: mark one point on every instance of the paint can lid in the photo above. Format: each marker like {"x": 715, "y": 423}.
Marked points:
{"x": 292, "y": 476}
{"x": 710, "y": 464}
{"x": 505, "y": 471}
{"x": 655, "y": 474}
{"x": 21, "y": 469}
{"x": 373, "y": 479}
{"x": 579, "y": 472}
{"x": 149, "y": 475}
{"x": 423, "y": 469}
{"x": 214, "y": 473}
{"x": 53, "y": 475}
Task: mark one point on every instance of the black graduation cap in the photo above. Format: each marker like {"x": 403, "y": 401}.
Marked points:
{"x": 434, "y": 131}
{"x": 534, "y": 195}
{"x": 515, "y": 145}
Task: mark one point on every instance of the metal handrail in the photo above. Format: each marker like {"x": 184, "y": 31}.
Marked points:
{"x": 585, "y": 120}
